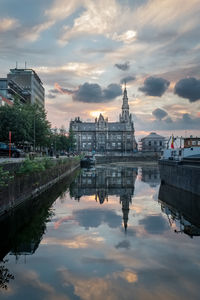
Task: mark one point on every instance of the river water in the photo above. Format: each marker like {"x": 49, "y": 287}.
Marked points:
{"x": 113, "y": 232}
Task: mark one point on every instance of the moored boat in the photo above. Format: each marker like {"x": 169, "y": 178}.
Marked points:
{"x": 180, "y": 167}
{"x": 189, "y": 148}
{"x": 87, "y": 161}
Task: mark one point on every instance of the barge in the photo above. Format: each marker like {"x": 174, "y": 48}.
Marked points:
{"x": 180, "y": 167}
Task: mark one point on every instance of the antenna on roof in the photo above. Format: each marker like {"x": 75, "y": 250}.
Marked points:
{"x": 16, "y": 65}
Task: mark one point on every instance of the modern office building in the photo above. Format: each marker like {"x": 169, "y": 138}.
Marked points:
{"x": 9, "y": 90}
{"x": 29, "y": 81}
{"x": 102, "y": 136}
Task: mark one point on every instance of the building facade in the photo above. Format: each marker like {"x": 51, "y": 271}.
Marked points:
{"x": 102, "y": 136}
{"x": 153, "y": 143}
{"x": 191, "y": 142}
{"x": 30, "y": 83}
{"x": 9, "y": 90}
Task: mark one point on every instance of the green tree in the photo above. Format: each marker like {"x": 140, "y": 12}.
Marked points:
{"x": 28, "y": 123}
{"x": 71, "y": 140}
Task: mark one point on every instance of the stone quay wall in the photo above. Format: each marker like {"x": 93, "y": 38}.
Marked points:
{"x": 186, "y": 177}
{"x": 29, "y": 186}
{"x": 140, "y": 157}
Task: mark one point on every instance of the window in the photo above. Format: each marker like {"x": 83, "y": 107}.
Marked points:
{"x": 149, "y": 143}
{"x": 193, "y": 143}
{"x": 113, "y": 144}
{"x": 101, "y": 138}
{"x": 160, "y": 143}
{"x": 198, "y": 143}
{"x": 3, "y": 84}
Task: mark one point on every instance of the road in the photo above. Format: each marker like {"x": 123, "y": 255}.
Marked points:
{"x": 19, "y": 159}
{"x": 11, "y": 160}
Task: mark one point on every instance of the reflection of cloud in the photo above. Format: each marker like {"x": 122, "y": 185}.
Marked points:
{"x": 96, "y": 288}
{"x": 124, "y": 67}
{"x": 31, "y": 282}
{"x": 95, "y": 217}
{"x": 128, "y": 275}
{"x": 82, "y": 241}
{"x": 92, "y": 260}
{"x": 60, "y": 221}
{"x": 154, "y": 224}
{"x": 123, "y": 244}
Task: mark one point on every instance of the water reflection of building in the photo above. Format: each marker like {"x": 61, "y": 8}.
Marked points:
{"x": 151, "y": 176}
{"x": 104, "y": 182}
{"x": 182, "y": 209}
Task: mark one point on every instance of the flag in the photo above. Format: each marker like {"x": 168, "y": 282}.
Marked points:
{"x": 172, "y": 143}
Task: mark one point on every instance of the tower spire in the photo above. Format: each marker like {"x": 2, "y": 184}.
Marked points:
{"x": 125, "y": 117}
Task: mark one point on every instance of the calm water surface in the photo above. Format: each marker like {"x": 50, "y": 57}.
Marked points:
{"x": 114, "y": 233}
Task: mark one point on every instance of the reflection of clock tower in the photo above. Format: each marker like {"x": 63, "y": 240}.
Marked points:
{"x": 125, "y": 200}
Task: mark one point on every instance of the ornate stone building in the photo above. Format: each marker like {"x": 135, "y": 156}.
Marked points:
{"x": 102, "y": 136}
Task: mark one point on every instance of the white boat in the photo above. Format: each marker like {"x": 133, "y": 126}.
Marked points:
{"x": 180, "y": 167}
{"x": 189, "y": 148}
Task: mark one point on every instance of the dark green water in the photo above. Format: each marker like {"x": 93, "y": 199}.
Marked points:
{"x": 113, "y": 233}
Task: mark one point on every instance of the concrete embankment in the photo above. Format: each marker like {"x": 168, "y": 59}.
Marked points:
{"x": 186, "y": 177}
{"x": 183, "y": 203}
{"x": 28, "y": 186}
{"x": 26, "y": 224}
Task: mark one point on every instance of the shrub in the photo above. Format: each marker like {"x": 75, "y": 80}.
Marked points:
{"x": 4, "y": 177}
{"x": 31, "y": 166}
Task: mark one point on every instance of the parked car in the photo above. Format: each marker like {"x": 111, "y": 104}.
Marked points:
{"x": 4, "y": 151}
{"x": 63, "y": 153}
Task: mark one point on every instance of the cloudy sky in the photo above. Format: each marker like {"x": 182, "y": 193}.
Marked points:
{"x": 83, "y": 50}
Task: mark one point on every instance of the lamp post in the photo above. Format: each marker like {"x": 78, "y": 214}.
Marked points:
{"x": 34, "y": 133}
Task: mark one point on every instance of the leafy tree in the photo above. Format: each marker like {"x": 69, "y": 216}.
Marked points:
{"x": 5, "y": 276}
{"x": 26, "y": 122}
{"x": 71, "y": 140}
{"x": 61, "y": 141}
